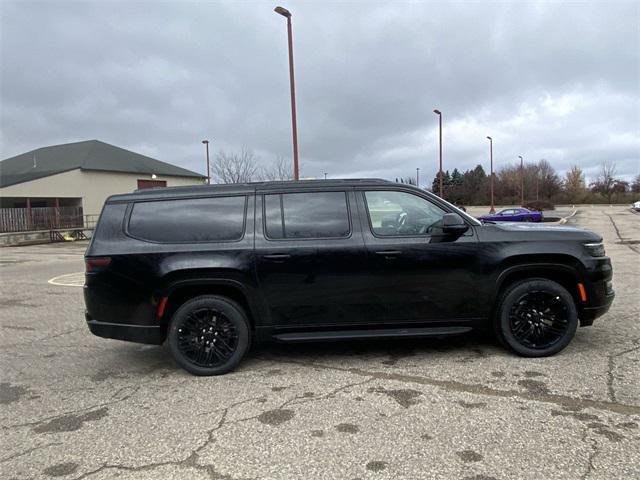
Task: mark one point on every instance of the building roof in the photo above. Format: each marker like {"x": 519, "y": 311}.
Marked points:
{"x": 87, "y": 155}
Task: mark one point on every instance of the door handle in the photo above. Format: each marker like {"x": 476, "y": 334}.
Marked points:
{"x": 389, "y": 254}
{"x": 276, "y": 257}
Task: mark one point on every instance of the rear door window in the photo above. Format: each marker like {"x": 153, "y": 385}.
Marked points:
{"x": 307, "y": 215}
{"x": 213, "y": 219}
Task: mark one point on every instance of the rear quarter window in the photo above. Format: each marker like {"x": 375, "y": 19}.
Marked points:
{"x": 213, "y": 219}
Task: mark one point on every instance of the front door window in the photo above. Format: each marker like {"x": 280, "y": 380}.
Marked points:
{"x": 394, "y": 213}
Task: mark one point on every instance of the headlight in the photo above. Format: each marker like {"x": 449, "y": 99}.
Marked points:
{"x": 595, "y": 249}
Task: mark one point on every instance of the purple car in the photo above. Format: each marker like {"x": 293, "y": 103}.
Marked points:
{"x": 514, "y": 215}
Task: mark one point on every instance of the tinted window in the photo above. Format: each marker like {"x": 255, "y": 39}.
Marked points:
{"x": 307, "y": 215}
{"x": 190, "y": 220}
{"x": 399, "y": 213}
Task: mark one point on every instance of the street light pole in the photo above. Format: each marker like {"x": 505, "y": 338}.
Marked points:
{"x": 294, "y": 129}
{"x": 439, "y": 113}
{"x": 492, "y": 209}
{"x": 206, "y": 143}
{"x": 418, "y": 177}
{"x": 521, "y": 180}
{"x": 325, "y": 175}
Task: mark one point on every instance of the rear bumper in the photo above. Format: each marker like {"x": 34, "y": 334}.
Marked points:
{"x": 131, "y": 333}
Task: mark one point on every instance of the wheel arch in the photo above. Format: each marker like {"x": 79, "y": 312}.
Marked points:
{"x": 563, "y": 269}
{"x": 179, "y": 290}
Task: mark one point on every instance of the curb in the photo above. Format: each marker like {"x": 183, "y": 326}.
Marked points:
{"x": 564, "y": 219}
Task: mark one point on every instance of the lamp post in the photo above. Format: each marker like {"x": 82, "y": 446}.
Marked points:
{"x": 206, "y": 143}
{"x": 325, "y": 175}
{"x": 418, "y": 177}
{"x": 492, "y": 209}
{"x": 294, "y": 129}
{"x": 439, "y": 113}
{"x": 521, "y": 180}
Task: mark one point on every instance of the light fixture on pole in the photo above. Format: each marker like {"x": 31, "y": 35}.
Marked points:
{"x": 294, "y": 129}
{"x": 439, "y": 113}
{"x": 492, "y": 209}
{"x": 418, "y": 177}
{"x": 206, "y": 143}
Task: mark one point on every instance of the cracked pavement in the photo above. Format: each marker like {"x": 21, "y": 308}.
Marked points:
{"x": 76, "y": 406}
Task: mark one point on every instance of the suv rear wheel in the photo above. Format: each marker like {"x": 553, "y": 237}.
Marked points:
{"x": 536, "y": 318}
{"x": 209, "y": 335}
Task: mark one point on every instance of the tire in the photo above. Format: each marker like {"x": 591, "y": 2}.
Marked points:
{"x": 528, "y": 219}
{"x": 536, "y": 318}
{"x": 209, "y": 335}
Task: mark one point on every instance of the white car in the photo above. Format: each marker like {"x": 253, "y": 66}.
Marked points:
{"x": 636, "y": 206}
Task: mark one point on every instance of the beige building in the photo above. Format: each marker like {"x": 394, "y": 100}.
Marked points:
{"x": 82, "y": 175}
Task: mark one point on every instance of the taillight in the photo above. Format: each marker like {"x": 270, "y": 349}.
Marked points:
{"x": 95, "y": 264}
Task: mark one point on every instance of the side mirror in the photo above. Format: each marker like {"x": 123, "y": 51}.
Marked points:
{"x": 452, "y": 224}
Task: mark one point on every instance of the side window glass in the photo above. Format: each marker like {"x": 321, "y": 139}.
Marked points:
{"x": 307, "y": 215}
{"x": 399, "y": 213}
{"x": 273, "y": 216}
{"x": 214, "y": 219}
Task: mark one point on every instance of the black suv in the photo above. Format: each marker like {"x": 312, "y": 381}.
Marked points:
{"x": 211, "y": 269}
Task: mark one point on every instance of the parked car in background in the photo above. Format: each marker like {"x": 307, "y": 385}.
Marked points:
{"x": 211, "y": 269}
{"x": 636, "y": 206}
{"x": 514, "y": 215}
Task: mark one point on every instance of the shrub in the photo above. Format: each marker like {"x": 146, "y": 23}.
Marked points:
{"x": 539, "y": 205}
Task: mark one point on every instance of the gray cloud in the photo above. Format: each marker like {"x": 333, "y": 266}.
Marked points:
{"x": 554, "y": 81}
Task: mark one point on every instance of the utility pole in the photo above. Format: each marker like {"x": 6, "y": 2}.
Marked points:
{"x": 439, "y": 113}
{"x": 521, "y": 180}
{"x": 206, "y": 143}
{"x": 294, "y": 129}
{"x": 492, "y": 209}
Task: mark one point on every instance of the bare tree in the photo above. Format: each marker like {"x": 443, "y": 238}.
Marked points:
{"x": 635, "y": 186}
{"x": 280, "y": 169}
{"x": 605, "y": 182}
{"x": 236, "y": 167}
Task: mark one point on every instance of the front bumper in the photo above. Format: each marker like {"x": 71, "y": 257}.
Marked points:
{"x": 600, "y": 294}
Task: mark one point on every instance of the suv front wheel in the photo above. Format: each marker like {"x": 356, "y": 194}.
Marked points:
{"x": 536, "y": 318}
{"x": 209, "y": 335}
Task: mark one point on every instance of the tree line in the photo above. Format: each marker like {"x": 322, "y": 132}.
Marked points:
{"x": 471, "y": 187}
{"x": 541, "y": 183}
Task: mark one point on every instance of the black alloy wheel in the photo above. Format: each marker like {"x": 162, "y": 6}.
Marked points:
{"x": 209, "y": 335}
{"x": 536, "y": 318}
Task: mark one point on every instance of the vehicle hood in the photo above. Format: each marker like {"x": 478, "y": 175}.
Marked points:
{"x": 541, "y": 231}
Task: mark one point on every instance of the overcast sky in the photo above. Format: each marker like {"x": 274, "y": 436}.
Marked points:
{"x": 544, "y": 79}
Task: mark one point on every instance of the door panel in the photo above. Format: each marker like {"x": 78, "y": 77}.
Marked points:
{"x": 418, "y": 277}
{"x": 310, "y": 282}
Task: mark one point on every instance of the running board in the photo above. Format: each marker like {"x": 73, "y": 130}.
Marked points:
{"x": 376, "y": 333}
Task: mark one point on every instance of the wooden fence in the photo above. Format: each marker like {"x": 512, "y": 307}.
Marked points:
{"x": 40, "y": 218}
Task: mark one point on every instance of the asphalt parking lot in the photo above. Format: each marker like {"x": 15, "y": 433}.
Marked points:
{"x": 77, "y": 406}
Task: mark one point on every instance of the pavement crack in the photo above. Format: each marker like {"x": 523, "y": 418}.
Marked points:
{"x": 595, "y": 449}
{"x": 28, "y": 451}
{"x": 480, "y": 389}
{"x": 611, "y": 364}
{"x": 301, "y": 399}
{"x": 79, "y": 410}
{"x": 622, "y": 240}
